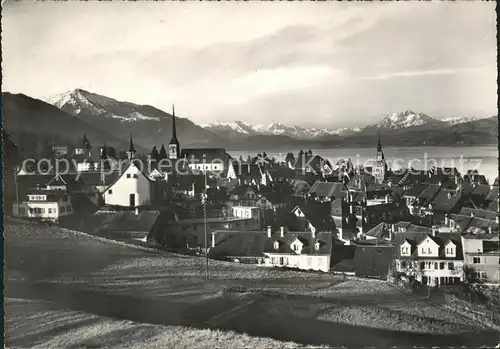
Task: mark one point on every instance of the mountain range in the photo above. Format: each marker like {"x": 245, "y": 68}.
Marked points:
{"x": 65, "y": 117}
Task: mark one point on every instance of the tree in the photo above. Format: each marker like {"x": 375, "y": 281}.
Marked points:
{"x": 163, "y": 152}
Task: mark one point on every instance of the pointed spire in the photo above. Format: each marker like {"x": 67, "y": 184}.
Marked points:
{"x": 379, "y": 146}
{"x": 174, "y": 129}
{"x": 131, "y": 148}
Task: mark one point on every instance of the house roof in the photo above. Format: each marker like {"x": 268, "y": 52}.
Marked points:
{"x": 50, "y": 195}
{"x": 300, "y": 187}
{"x": 415, "y": 190}
{"x": 306, "y": 238}
{"x": 328, "y": 189}
{"x": 363, "y": 260}
{"x": 481, "y": 190}
{"x": 427, "y": 195}
{"x": 94, "y": 178}
{"x": 239, "y": 244}
{"x": 446, "y": 201}
{"x": 441, "y": 239}
{"x": 205, "y": 154}
{"x": 467, "y": 211}
{"x": 318, "y": 214}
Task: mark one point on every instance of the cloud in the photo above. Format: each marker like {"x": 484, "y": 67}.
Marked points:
{"x": 327, "y": 62}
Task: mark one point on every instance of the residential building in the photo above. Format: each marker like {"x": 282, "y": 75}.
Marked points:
{"x": 482, "y": 256}
{"x": 44, "y": 205}
{"x": 434, "y": 259}
{"x": 60, "y": 150}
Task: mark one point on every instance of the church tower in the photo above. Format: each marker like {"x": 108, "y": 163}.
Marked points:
{"x": 173, "y": 146}
{"x": 131, "y": 150}
{"x": 380, "y": 167}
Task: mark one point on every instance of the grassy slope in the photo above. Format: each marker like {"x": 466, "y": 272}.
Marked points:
{"x": 90, "y": 277}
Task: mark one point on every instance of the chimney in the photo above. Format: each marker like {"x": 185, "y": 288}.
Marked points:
{"x": 497, "y": 220}
{"x": 489, "y": 230}
{"x": 446, "y": 221}
{"x": 433, "y": 230}
{"x": 213, "y": 240}
{"x": 351, "y": 208}
{"x": 387, "y": 198}
{"x": 472, "y": 214}
{"x": 456, "y": 179}
{"x": 391, "y": 230}
{"x": 313, "y": 232}
{"x": 269, "y": 231}
{"x": 239, "y": 181}
{"x": 136, "y": 211}
{"x": 282, "y": 231}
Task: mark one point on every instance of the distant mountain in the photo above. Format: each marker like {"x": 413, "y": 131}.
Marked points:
{"x": 239, "y": 128}
{"x": 149, "y": 125}
{"x": 28, "y": 121}
{"x": 405, "y": 119}
{"x": 459, "y": 119}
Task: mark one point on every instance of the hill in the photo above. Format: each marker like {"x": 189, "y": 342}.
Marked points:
{"x": 30, "y": 121}
{"x": 149, "y": 125}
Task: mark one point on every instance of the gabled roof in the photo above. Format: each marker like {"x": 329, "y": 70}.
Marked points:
{"x": 239, "y": 244}
{"x": 481, "y": 190}
{"x": 446, "y": 201}
{"x": 428, "y": 194}
{"x": 306, "y": 238}
{"x": 415, "y": 190}
{"x": 207, "y": 154}
{"x": 441, "y": 239}
{"x": 467, "y": 211}
{"x": 317, "y": 214}
{"x": 328, "y": 189}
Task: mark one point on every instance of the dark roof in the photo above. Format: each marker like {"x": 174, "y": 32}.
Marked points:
{"x": 94, "y": 178}
{"x": 427, "y": 195}
{"x": 447, "y": 201}
{"x": 467, "y": 211}
{"x": 492, "y": 194}
{"x": 328, "y": 189}
{"x": 239, "y": 244}
{"x": 415, "y": 190}
{"x": 318, "y": 214}
{"x": 300, "y": 187}
{"x": 206, "y": 154}
{"x": 363, "y": 260}
{"x": 481, "y": 190}
{"x": 306, "y": 238}
{"x": 51, "y": 195}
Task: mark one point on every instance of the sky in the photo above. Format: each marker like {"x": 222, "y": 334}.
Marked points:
{"x": 324, "y": 64}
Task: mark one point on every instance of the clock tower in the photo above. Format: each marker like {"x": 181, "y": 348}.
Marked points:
{"x": 173, "y": 146}
{"x": 380, "y": 168}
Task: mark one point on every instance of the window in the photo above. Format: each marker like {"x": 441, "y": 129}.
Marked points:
{"x": 476, "y": 260}
{"x": 403, "y": 265}
{"x": 436, "y": 265}
{"x": 429, "y": 250}
{"x": 281, "y": 261}
{"x": 405, "y": 251}
{"x": 441, "y": 265}
{"x": 128, "y": 175}
{"x": 276, "y": 245}
{"x": 451, "y": 266}
{"x": 422, "y": 265}
{"x": 423, "y": 250}
{"x": 110, "y": 191}
{"x": 135, "y": 176}
{"x": 316, "y": 246}
{"x": 50, "y": 210}
{"x": 295, "y": 247}
{"x": 63, "y": 209}
{"x": 68, "y": 209}
{"x": 42, "y": 210}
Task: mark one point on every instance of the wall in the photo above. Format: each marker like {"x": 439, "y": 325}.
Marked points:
{"x": 45, "y": 205}
{"x": 303, "y": 262}
{"x": 124, "y": 186}
{"x": 432, "y": 272}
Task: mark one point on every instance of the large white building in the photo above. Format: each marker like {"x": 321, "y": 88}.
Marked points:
{"x": 131, "y": 189}
{"x": 481, "y": 254}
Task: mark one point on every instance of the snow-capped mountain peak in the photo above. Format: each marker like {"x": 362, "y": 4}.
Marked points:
{"x": 79, "y": 101}
{"x": 275, "y": 128}
{"x": 403, "y": 119}
{"x": 459, "y": 119}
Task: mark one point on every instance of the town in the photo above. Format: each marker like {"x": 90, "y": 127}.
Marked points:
{"x": 431, "y": 227}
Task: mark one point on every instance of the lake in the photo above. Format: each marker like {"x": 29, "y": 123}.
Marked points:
{"x": 482, "y": 158}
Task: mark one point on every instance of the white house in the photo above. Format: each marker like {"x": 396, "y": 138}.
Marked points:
{"x": 44, "y": 205}
{"x": 301, "y": 250}
{"x": 433, "y": 259}
{"x": 481, "y": 254}
{"x": 132, "y": 188}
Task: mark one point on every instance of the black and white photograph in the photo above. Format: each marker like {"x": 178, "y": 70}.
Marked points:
{"x": 250, "y": 174}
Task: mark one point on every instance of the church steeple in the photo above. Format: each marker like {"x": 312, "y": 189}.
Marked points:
{"x": 173, "y": 146}
{"x": 380, "y": 168}
{"x": 131, "y": 150}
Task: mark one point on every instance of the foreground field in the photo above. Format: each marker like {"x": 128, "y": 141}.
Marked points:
{"x": 169, "y": 293}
